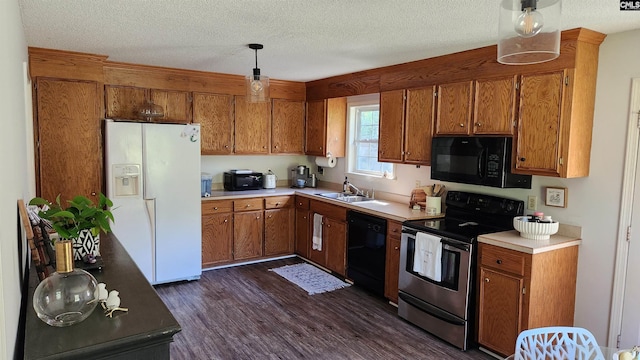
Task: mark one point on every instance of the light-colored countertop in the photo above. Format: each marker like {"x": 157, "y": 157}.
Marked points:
{"x": 512, "y": 240}
{"x": 387, "y": 209}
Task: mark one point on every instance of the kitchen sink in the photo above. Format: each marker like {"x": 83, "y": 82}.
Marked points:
{"x": 345, "y": 197}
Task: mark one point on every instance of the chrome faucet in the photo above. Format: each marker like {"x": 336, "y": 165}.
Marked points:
{"x": 358, "y": 191}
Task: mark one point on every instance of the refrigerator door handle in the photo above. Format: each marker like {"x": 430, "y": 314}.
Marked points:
{"x": 150, "y": 205}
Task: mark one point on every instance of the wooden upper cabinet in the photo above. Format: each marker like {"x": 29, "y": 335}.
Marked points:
{"x": 494, "y": 106}
{"x": 69, "y": 139}
{"x": 454, "y": 109}
{"x": 214, "y": 113}
{"x": 418, "y": 128}
{"x": 123, "y": 102}
{"x": 175, "y": 104}
{"x": 252, "y": 126}
{"x": 391, "y": 126}
{"x": 316, "y": 127}
{"x": 287, "y": 127}
{"x": 406, "y": 121}
{"x": 326, "y": 127}
{"x": 537, "y": 146}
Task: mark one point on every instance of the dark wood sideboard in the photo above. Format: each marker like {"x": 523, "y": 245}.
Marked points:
{"x": 144, "y": 332}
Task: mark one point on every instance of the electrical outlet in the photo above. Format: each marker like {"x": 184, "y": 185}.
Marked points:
{"x": 532, "y": 202}
{"x": 418, "y": 183}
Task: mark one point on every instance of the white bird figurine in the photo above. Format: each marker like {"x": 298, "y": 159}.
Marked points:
{"x": 113, "y": 303}
{"x": 101, "y": 294}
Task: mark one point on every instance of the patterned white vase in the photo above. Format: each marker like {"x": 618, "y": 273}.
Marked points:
{"x": 86, "y": 244}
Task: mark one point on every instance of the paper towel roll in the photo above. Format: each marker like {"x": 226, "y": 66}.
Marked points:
{"x": 328, "y": 161}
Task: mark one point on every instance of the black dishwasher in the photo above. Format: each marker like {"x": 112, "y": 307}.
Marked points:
{"x": 366, "y": 251}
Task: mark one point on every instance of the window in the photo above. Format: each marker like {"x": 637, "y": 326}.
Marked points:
{"x": 364, "y": 115}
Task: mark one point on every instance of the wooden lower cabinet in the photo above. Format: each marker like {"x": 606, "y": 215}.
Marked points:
{"x": 217, "y": 232}
{"x": 392, "y": 260}
{"x": 334, "y": 239}
{"x": 303, "y": 227}
{"x": 248, "y": 235}
{"x": 246, "y": 229}
{"x": 519, "y": 291}
{"x": 278, "y": 231}
{"x": 333, "y": 254}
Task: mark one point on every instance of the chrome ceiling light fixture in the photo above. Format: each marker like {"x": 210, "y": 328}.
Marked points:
{"x": 529, "y": 31}
{"x": 257, "y": 85}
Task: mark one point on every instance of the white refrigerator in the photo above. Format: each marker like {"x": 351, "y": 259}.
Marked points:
{"x": 153, "y": 179}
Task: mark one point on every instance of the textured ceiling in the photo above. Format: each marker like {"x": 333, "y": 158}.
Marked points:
{"x": 303, "y": 39}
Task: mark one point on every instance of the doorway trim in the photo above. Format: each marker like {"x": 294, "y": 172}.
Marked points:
{"x": 626, "y": 207}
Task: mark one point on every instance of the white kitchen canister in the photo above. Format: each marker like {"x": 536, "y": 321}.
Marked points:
{"x": 270, "y": 180}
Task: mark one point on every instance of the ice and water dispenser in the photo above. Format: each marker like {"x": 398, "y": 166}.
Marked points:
{"x": 126, "y": 178}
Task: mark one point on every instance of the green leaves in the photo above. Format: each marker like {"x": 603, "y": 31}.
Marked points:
{"x": 79, "y": 215}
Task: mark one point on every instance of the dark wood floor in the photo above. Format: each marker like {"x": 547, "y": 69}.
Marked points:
{"x": 248, "y": 312}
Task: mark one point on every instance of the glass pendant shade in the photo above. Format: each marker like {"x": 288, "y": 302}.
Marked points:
{"x": 257, "y": 85}
{"x": 529, "y": 31}
{"x": 257, "y": 88}
{"x": 66, "y": 297}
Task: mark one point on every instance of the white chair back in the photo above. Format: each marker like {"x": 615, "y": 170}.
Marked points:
{"x": 557, "y": 343}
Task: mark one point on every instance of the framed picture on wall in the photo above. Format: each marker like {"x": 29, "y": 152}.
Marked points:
{"x": 556, "y": 197}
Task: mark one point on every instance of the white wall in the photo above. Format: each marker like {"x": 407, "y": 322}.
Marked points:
{"x": 15, "y": 177}
{"x": 278, "y": 164}
{"x": 593, "y": 202}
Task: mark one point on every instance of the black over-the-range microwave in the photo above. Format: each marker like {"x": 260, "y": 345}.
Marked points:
{"x": 475, "y": 160}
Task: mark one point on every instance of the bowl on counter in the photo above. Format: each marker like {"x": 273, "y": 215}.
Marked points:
{"x": 534, "y": 230}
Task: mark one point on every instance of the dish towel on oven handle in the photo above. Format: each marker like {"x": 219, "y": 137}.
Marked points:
{"x": 427, "y": 258}
{"x": 316, "y": 241}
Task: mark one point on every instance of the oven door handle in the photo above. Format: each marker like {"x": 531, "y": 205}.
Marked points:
{"x": 456, "y": 244}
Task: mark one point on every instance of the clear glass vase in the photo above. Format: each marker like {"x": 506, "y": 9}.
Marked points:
{"x": 66, "y": 297}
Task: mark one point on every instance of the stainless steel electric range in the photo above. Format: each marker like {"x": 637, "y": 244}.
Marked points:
{"x": 444, "y": 305}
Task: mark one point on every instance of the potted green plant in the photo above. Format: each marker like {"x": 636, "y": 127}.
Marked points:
{"x": 81, "y": 221}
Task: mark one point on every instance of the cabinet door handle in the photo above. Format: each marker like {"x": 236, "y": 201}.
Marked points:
{"x": 93, "y": 193}
{"x": 248, "y": 205}
{"x": 275, "y": 146}
{"x": 408, "y": 153}
{"x": 300, "y": 204}
{"x": 395, "y": 230}
{"x": 226, "y": 146}
{"x": 522, "y": 159}
{"x": 277, "y": 204}
{"x": 257, "y": 217}
{"x": 461, "y": 124}
{"x": 225, "y": 220}
{"x": 328, "y": 225}
{"x": 486, "y": 279}
{"x": 304, "y": 217}
{"x": 396, "y": 248}
{"x": 270, "y": 216}
{"x": 498, "y": 261}
{"x": 478, "y": 124}
{"x": 215, "y": 208}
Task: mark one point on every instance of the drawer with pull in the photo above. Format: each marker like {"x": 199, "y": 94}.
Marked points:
{"x": 277, "y": 202}
{"x": 302, "y": 203}
{"x": 502, "y": 259}
{"x": 214, "y": 207}
{"x": 394, "y": 229}
{"x": 248, "y": 204}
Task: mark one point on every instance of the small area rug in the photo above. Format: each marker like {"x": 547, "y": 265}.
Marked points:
{"x": 310, "y": 278}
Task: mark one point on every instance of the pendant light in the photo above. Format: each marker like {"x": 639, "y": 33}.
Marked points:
{"x": 529, "y": 31}
{"x": 257, "y": 85}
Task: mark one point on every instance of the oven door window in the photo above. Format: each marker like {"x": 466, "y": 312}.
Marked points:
{"x": 450, "y": 265}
